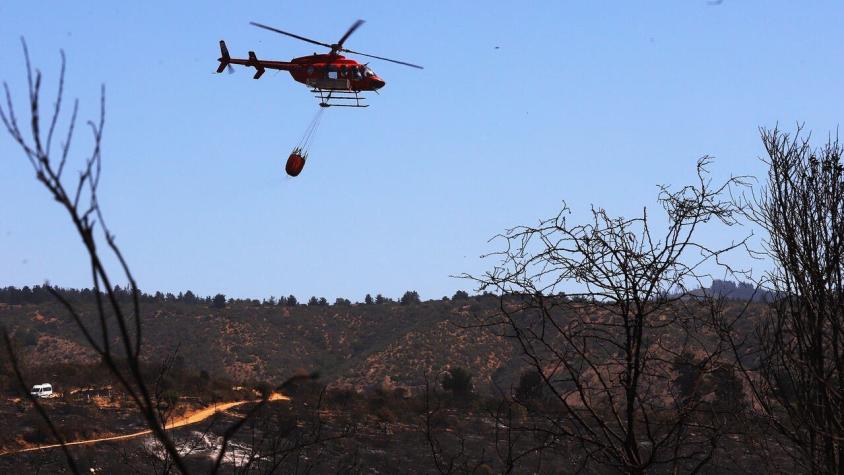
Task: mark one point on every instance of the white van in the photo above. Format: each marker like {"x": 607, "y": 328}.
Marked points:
{"x": 42, "y": 390}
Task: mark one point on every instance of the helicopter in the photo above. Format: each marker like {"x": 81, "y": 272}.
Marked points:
{"x": 333, "y": 79}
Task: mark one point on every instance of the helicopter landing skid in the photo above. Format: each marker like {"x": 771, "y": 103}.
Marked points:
{"x": 339, "y": 98}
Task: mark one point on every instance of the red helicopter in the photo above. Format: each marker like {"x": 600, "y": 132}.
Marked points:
{"x": 334, "y": 79}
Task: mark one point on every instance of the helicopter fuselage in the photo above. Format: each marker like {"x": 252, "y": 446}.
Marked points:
{"x": 327, "y": 71}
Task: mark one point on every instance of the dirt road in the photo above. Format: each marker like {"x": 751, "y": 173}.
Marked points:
{"x": 191, "y": 418}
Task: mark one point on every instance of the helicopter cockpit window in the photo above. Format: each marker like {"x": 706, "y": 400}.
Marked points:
{"x": 343, "y": 70}
{"x": 356, "y": 73}
{"x": 368, "y": 72}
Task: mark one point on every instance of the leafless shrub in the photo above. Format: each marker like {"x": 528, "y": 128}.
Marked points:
{"x": 80, "y": 202}
{"x": 606, "y": 352}
{"x": 114, "y": 332}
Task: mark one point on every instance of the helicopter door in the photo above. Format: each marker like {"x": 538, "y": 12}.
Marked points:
{"x": 332, "y": 81}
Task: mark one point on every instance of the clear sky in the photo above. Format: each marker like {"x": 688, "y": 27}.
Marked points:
{"x": 588, "y": 102}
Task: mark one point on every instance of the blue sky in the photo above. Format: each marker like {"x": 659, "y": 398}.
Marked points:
{"x": 584, "y": 102}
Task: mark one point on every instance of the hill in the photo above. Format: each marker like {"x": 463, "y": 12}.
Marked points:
{"x": 355, "y": 346}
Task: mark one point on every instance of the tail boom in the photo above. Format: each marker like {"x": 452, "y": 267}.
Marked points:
{"x": 253, "y": 62}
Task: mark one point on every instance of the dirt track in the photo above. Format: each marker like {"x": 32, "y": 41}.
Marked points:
{"x": 191, "y": 418}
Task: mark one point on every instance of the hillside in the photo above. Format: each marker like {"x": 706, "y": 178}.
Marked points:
{"x": 381, "y": 351}
{"x": 355, "y": 346}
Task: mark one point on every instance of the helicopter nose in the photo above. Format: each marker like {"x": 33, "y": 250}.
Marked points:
{"x": 378, "y": 83}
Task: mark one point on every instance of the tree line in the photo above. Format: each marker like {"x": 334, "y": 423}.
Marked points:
{"x": 38, "y": 294}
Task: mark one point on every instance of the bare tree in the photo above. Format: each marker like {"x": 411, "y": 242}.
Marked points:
{"x": 606, "y": 350}
{"x": 795, "y": 365}
{"x": 114, "y": 332}
{"x": 81, "y": 204}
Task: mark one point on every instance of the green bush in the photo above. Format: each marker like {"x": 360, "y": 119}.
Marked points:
{"x": 531, "y": 386}
{"x": 458, "y": 381}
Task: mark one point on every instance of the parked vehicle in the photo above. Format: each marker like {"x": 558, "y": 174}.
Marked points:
{"x": 42, "y": 390}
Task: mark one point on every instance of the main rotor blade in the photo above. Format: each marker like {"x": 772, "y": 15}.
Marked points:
{"x": 383, "y": 59}
{"x": 289, "y": 34}
{"x": 352, "y": 29}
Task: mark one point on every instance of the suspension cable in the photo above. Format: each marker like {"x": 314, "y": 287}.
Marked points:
{"x": 311, "y": 130}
